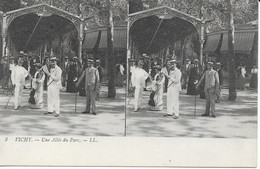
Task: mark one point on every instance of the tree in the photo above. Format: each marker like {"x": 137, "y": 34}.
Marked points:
{"x": 135, "y": 6}
{"x": 231, "y": 53}
{"x": 110, "y": 52}
{"x": 9, "y": 5}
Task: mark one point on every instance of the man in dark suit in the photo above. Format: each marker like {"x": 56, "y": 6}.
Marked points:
{"x": 220, "y": 74}
{"x": 100, "y": 70}
{"x": 92, "y": 86}
{"x": 65, "y": 71}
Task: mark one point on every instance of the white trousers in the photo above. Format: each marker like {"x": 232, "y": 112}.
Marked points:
{"x": 54, "y": 98}
{"x": 173, "y": 100}
{"x": 18, "y": 92}
{"x": 138, "y": 96}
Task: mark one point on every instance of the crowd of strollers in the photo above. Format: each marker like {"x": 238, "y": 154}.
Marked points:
{"x": 53, "y": 75}
{"x": 171, "y": 77}
{"x": 145, "y": 74}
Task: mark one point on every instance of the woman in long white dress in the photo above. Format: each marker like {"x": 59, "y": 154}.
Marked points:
{"x": 37, "y": 84}
{"x": 157, "y": 87}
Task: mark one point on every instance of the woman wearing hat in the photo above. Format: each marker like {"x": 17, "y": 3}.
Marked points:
{"x": 73, "y": 75}
{"x": 157, "y": 87}
{"x": 36, "y": 98}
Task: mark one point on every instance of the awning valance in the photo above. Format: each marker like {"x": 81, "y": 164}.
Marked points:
{"x": 91, "y": 38}
{"x": 212, "y": 42}
{"x": 243, "y": 41}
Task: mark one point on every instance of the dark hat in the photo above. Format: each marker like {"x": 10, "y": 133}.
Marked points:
{"x": 131, "y": 60}
{"x": 158, "y": 67}
{"x": 141, "y": 61}
{"x": 47, "y": 54}
{"x": 38, "y": 64}
{"x": 20, "y": 59}
{"x": 11, "y": 58}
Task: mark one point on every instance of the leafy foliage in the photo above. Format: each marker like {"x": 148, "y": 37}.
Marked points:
{"x": 8, "y": 5}
{"x": 244, "y": 10}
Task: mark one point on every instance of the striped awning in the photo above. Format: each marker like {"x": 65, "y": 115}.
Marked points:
{"x": 91, "y": 38}
{"x": 243, "y": 41}
{"x": 212, "y": 42}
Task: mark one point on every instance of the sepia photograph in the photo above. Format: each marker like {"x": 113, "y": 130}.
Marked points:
{"x": 62, "y": 72}
{"x": 192, "y": 69}
{"x": 133, "y": 83}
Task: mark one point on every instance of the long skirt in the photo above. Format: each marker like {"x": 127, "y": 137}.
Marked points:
{"x": 241, "y": 82}
{"x": 38, "y": 97}
{"x": 158, "y": 99}
{"x": 119, "y": 80}
{"x": 253, "y": 81}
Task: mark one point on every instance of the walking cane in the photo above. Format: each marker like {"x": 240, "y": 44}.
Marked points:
{"x": 76, "y": 102}
{"x": 195, "y": 105}
{"x": 195, "y": 99}
{"x": 8, "y": 101}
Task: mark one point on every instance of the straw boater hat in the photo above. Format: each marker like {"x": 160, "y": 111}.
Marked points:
{"x": 210, "y": 63}
{"x": 90, "y": 60}
{"x": 75, "y": 58}
{"x": 53, "y": 59}
{"x": 145, "y": 56}
{"x": 172, "y": 61}
{"x": 196, "y": 60}
{"x": 218, "y": 64}
{"x": 66, "y": 57}
{"x": 97, "y": 61}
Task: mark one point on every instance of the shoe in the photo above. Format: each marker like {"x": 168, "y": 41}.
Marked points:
{"x": 94, "y": 113}
{"x": 175, "y": 117}
{"x": 48, "y": 112}
{"x": 213, "y": 116}
{"x": 16, "y": 108}
{"x": 56, "y": 115}
{"x": 85, "y": 112}
{"x": 166, "y": 115}
{"x": 205, "y": 115}
{"x": 136, "y": 110}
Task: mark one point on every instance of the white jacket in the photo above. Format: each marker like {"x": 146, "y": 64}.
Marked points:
{"x": 139, "y": 76}
{"x": 19, "y": 74}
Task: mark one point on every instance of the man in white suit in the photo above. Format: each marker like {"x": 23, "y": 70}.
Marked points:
{"x": 18, "y": 76}
{"x": 174, "y": 87}
{"x": 139, "y": 75}
{"x": 54, "y": 86}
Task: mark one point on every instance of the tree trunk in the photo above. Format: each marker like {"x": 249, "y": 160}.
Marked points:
{"x": 110, "y": 52}
{"x": 231, "y": 53}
